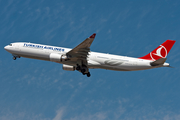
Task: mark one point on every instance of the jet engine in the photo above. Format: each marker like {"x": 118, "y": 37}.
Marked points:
{"x": 54, "y": 57}
{"x": 68, "y": 67}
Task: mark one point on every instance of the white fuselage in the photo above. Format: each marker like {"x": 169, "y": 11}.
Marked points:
{"x": 95, "y": 59}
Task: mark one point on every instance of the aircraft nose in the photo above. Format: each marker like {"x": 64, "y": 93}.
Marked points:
{"x": 6, "y": 47}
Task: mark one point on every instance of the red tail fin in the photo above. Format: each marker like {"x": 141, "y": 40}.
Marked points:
{"x": 160, "y": 52}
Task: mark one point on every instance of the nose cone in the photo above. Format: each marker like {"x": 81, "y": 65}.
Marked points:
{"x": 6, "y": 47}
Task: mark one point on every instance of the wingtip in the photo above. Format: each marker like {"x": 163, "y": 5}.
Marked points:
{"x": 93, "y": 35}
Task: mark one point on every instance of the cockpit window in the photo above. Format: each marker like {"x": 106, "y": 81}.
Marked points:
{"x": 10, "y": 45}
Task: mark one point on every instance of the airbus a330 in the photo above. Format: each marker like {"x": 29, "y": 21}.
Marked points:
{"x": 82, "y": 59}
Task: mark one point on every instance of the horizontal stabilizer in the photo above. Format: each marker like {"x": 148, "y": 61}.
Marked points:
{"x": 160, "y": 61}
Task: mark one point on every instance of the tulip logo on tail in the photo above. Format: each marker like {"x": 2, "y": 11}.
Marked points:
{"x": 159, "y": 52}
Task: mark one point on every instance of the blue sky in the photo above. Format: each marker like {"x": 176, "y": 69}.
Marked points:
{"x": 40, "y": 90}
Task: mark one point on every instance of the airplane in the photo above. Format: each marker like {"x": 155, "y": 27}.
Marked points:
{"x": 82, "y": 59}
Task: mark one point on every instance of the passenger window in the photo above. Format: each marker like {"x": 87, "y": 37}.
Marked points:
{"x": 10, "y": 45}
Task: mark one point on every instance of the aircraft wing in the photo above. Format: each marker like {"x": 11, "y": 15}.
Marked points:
{"x": 80, "y": 52}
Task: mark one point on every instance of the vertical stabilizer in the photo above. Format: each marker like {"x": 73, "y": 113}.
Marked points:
{"x": 160, "y": 52}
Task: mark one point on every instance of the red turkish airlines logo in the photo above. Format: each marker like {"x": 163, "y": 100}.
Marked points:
{"x": 160, "y": 52}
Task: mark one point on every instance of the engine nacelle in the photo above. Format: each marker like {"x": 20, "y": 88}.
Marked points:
{"x": 68, "y": 67}
{"x": 57, "y": 57}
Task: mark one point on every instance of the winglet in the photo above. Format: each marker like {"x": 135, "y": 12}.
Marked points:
{"x": 93, "y": 35}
